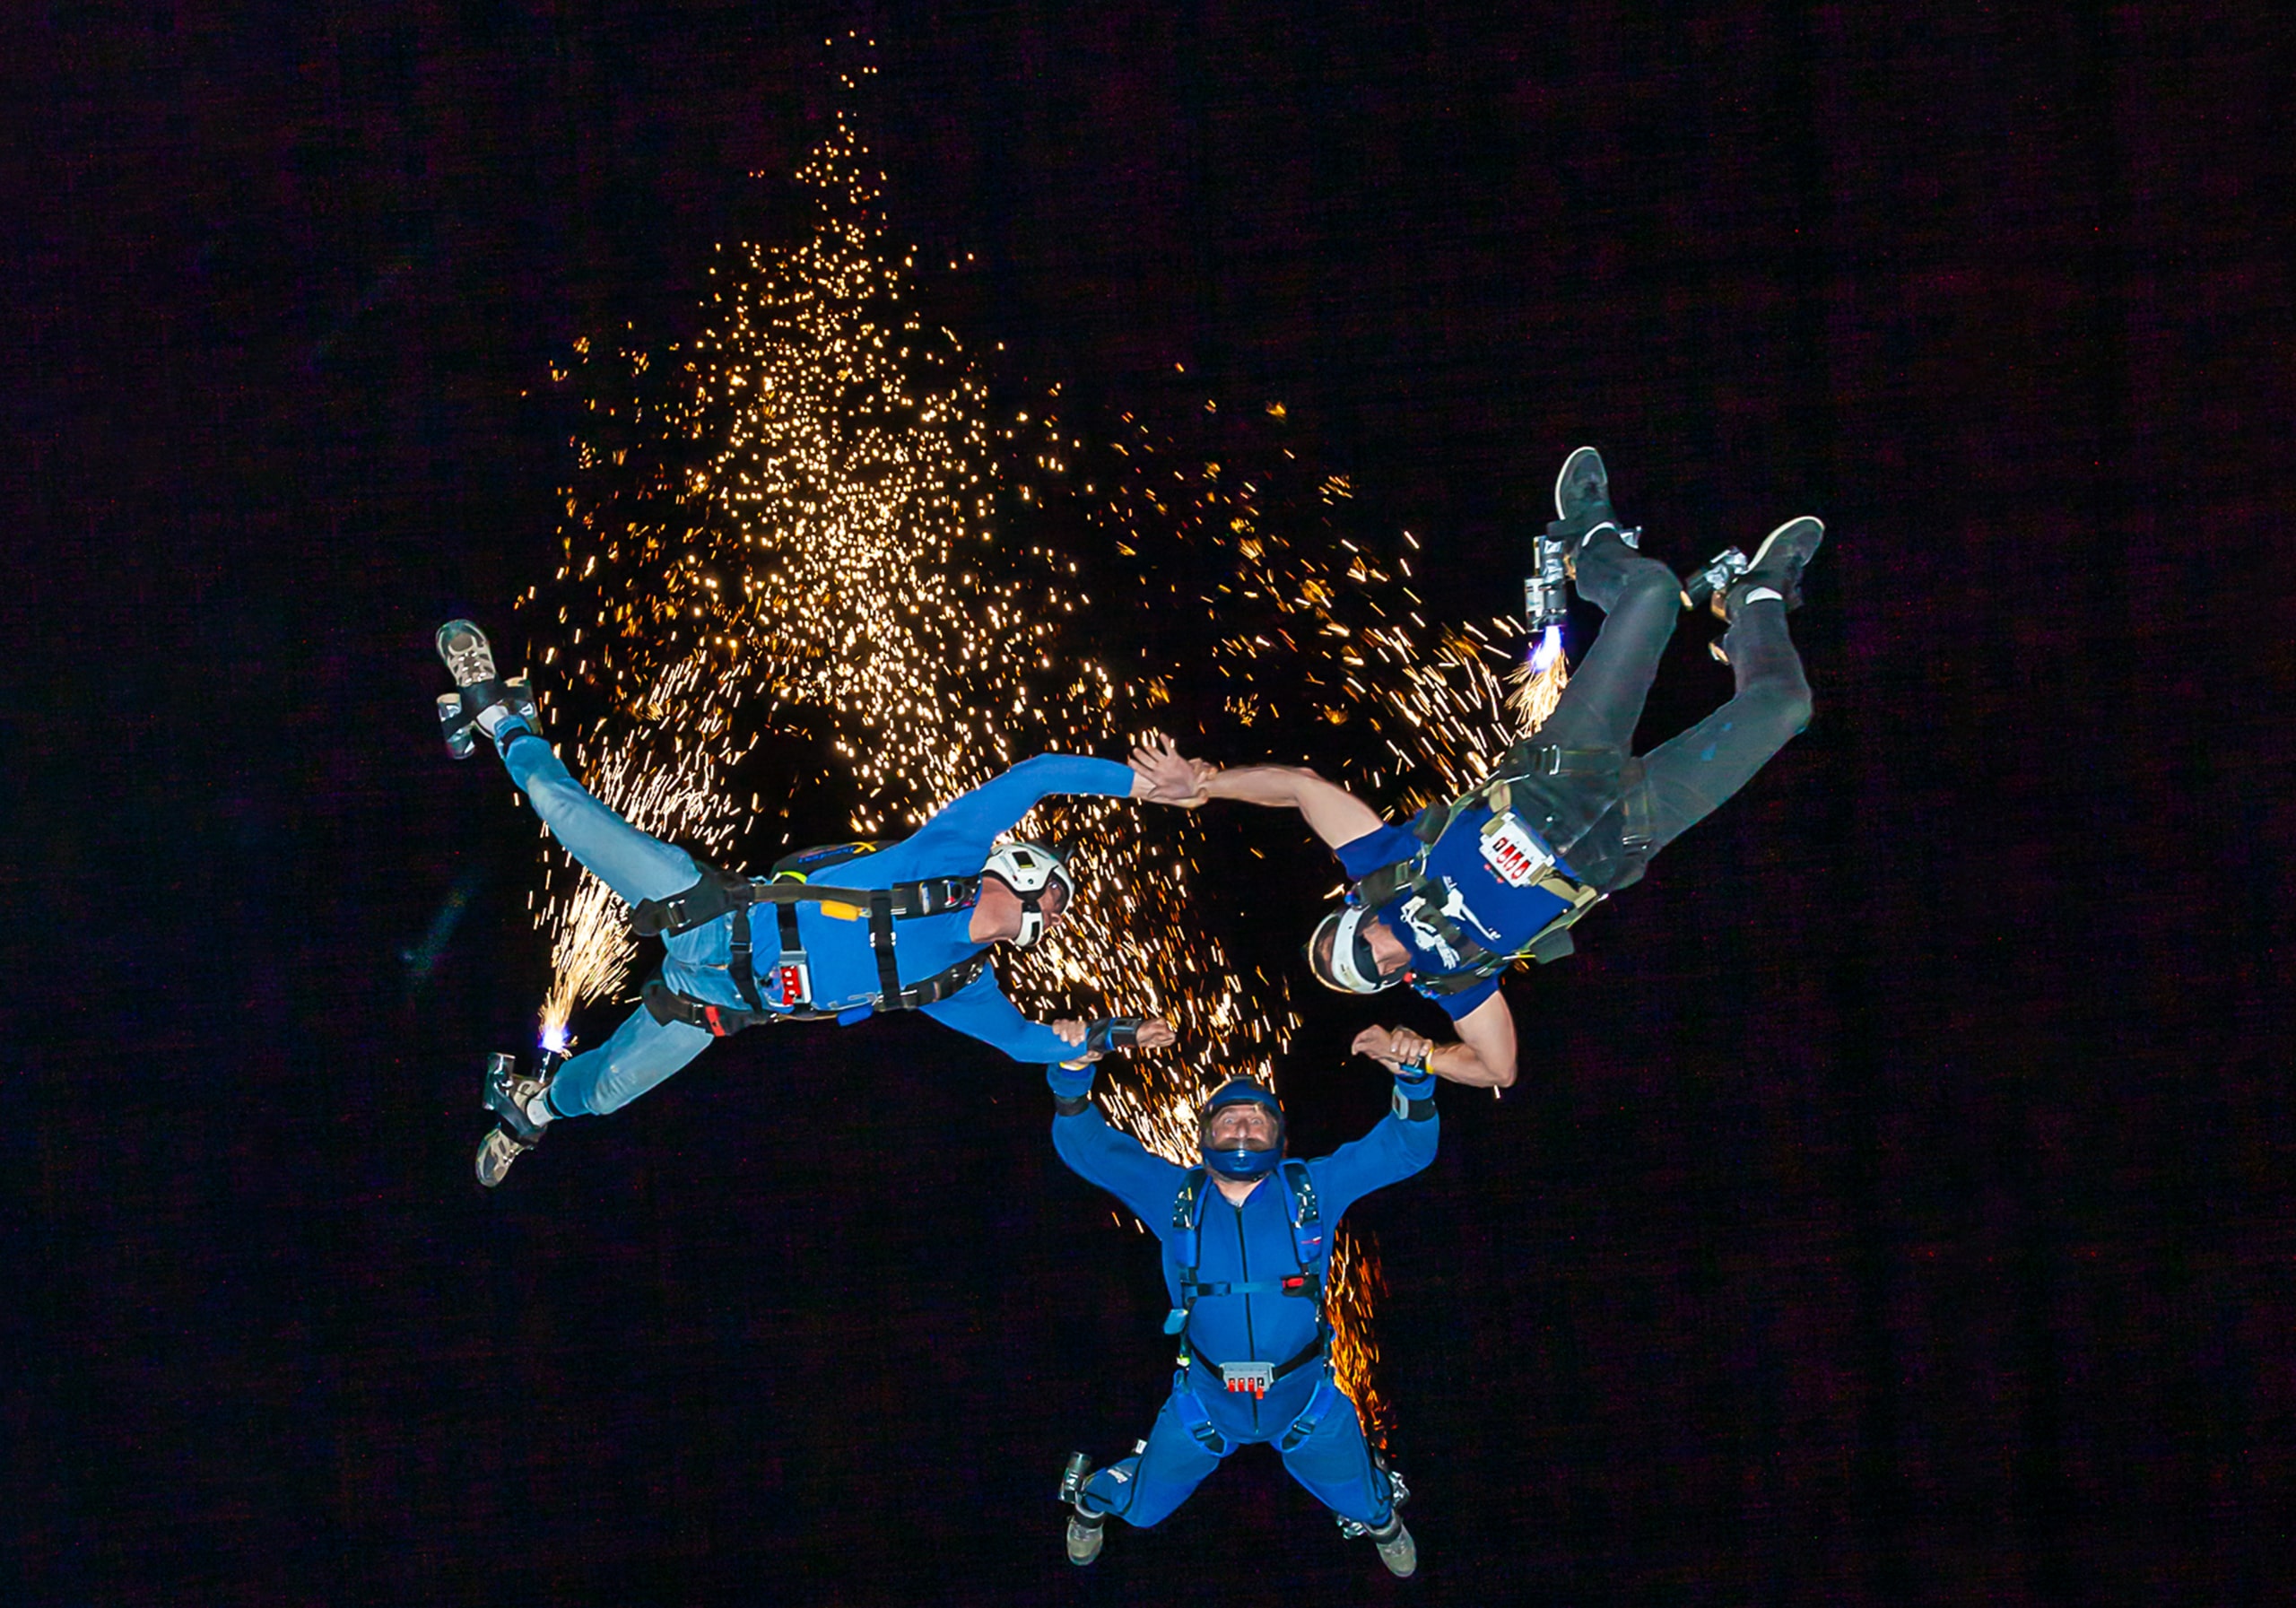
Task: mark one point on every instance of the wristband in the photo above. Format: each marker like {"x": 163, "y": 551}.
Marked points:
{"x": 1113, "y": 1032}
{"x": 1069, "y": 1083}
{"x": 1413, "y": 1100}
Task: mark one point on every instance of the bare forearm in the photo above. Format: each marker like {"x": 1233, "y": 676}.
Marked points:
{"x": 1331, "y": 812}
{"x": 1461, "y": 1063}
{"x": 1274, "y": 786}
{"x": 1482, "y": 1057}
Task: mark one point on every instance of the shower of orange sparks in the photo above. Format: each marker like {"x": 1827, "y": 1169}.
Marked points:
{"x": 810, "y": 543}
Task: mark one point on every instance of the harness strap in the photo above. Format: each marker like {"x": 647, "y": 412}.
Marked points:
{"x": 714, "y": 892}
{"x": 881, "y": 941}
{"x": 1321, "y": 1403}
{"x": 718, "y": 891}
{"x": 737, "y": 959}
{"x": 1313, "y": 1352}
{"x": 1634, "y": 808}
{"x": 1195, "y": 1419}
{"x": 1310, "y": 1285}
{"x": 666, "y": 1004}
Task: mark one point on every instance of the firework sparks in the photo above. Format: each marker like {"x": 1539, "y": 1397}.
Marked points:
{"x": 798, "y": 528}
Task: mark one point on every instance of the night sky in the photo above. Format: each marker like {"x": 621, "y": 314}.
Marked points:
{"x": 1894, "y": 1207}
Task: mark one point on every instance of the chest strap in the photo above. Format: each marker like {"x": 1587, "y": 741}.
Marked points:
{"x": 1310, "y": 1248}
{"x": 1407, "y": 881}
{"x": 719, "y": 892}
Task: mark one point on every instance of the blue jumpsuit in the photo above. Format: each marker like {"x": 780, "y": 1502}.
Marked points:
{"x": 1312, "y": 1421}
{"x": 954, "y": 843}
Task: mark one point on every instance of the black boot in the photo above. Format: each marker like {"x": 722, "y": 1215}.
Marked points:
{"x": 470, "y": 660}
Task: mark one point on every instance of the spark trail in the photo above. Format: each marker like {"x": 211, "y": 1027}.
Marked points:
{"x": 809, "y": 545}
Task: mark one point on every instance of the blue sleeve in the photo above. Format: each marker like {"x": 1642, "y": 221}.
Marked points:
{"x": 958, "y": 837}
{"x": 981, "y": 1009}
{"x": 1389, "y": 1154}
{"x": 1385, "y": 845}
{"x": 1455, "y": 1005}
{"x": 1120, "y": 1164}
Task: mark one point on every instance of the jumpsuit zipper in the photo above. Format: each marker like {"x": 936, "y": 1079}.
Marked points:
{"x": 1251, "y": 1343}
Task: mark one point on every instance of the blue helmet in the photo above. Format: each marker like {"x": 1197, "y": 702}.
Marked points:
{"x": 1242, "y": 1162}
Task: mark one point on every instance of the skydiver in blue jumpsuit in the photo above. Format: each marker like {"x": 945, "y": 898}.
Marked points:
{"x": 1247, "y": 1244}
{"x": 1022, "y": 892}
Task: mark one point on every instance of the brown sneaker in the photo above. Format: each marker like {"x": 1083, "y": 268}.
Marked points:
{"x": 1397, "y": 1551}
{"x": 1084, "y": 1537}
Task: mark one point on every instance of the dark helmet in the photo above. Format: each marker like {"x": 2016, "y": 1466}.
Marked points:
{"x": 1243, "y": 1162}
{"x": 1347, "y": 964}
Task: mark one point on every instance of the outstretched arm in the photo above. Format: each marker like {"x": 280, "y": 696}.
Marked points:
{"x": 981, "y": 1009}
{"x": 960, "y": 833}
{"x": 1400, "y": 1145}
{"x": 1484, "y": 1058}
{"x": 1331, "y": 812}
{"x": 1110, "y": 1157}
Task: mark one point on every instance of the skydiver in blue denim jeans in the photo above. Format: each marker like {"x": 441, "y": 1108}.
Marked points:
{"x": 914, "y": 936}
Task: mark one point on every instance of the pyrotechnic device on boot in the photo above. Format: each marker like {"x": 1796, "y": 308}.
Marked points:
{"x": 1710, "y": 584}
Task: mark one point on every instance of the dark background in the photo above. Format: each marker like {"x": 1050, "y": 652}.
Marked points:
{"x": 1894, "y": 1205}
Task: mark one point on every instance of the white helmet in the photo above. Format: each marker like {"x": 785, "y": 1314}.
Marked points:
{"x": 1350, "y": 967}
{"x": 1029, "y": 869}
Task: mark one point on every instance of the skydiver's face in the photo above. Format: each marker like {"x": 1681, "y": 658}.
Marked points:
{"x": 1387, "y": 949}
{"x": 999, "y": 908}
{"x": 1387, "y": 952}
{"x": 1244, "y": 1126}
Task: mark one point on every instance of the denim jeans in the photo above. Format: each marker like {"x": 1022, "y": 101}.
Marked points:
{"x": 642, "y": 1052}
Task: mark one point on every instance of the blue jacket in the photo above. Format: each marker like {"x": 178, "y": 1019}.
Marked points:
{"x": 1500, "y": 917}
{"x": 1247, "y": 1243}
{"x": 954, "y": 843}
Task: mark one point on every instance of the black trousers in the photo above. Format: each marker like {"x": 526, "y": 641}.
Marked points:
{"x": 1682, "y": 782}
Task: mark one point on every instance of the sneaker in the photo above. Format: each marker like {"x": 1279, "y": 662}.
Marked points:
{"x": 1085, "y": 1534}
{"x": 507, "y": 1093}
{"x": 478, "y": 693}
{"x": 1397, "y": 1551}
{"x": 1776, "y": 564}
{"x": 469, "y": 658}
{"x": 1582, "y": 493}
{"x": 496, "y": 1152}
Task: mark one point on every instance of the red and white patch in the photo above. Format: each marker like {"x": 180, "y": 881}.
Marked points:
{"x": 1515, "y": 857}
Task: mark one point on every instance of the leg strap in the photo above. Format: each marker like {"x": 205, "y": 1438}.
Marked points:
{"x": 1195, "y": 1419}
{"x": 1326, "y": 1397}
